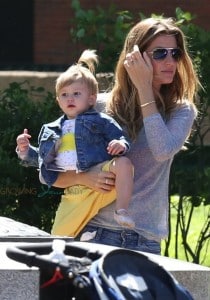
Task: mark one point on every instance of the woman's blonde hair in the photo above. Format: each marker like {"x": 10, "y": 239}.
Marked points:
{"x": 124, "y": 104}
{"x": 83, "y": 71}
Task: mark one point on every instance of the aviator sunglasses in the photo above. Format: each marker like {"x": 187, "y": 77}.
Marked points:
{"x": 162, "y": 53}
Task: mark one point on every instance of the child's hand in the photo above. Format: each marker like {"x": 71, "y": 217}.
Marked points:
{"x": 116, "y": 147}
{"x": 23, "y": 141}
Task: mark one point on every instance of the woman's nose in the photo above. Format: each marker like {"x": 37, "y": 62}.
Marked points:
{"x": 169, "y": 59}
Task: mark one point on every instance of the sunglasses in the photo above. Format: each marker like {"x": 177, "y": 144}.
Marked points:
{"x": 162, "y": 53}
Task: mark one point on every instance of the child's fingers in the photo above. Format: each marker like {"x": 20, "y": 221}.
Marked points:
{"x": 115, "y": 149}
{"x": 25, "y": 132}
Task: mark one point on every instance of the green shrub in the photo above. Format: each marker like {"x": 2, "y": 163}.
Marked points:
{"x": 101, "y": 29}
{"x": 22, "y": 196}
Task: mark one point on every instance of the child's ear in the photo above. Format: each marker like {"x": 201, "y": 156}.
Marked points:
{"x": 92, "y": 100}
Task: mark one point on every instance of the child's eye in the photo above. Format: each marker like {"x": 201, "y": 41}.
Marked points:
{"x": 76, "y": 94}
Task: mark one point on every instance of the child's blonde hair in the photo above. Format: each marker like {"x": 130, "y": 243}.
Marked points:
{"x": 83, "y": 71}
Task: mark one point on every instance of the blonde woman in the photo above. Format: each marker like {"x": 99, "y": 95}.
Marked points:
{"x": 152, "y": 98}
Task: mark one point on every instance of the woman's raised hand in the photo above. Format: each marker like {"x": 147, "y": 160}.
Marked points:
{"x": 139, "y": 68}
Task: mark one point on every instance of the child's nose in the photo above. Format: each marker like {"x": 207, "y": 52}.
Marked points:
{"x": 71, "y": 97}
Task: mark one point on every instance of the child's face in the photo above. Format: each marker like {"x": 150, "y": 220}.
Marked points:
{"x": 75, "y": 98}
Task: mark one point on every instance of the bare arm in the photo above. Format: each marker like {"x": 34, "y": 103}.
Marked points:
{"x": 140, "y": 71}
{"x": 96, "y": 179}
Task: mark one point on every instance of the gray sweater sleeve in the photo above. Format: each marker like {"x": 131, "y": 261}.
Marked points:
{"x": 166, "y": 137}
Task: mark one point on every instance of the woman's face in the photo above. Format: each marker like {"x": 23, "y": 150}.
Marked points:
{"x": 163, "y": 69}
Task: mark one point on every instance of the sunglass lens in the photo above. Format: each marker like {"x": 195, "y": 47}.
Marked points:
{"x": 176, "y": 54}
{"x": 159, "y": 53}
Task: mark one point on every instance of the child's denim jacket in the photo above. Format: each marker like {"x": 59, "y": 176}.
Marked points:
{"x": 93, "y": 132}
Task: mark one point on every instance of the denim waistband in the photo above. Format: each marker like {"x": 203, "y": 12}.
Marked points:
{"x": 124, "y": 231}
{"x": 117, "y": 233}
{"x": 125, "y": 238}
{"x": 128, "y": 233}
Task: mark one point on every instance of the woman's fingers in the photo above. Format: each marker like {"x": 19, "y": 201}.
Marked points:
{"x": 101, "y": 181}
{"x": 139, "y": 68}
{"x": 106, "y": 181}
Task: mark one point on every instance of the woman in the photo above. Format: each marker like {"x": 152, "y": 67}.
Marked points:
{"x": 152, "y": 98}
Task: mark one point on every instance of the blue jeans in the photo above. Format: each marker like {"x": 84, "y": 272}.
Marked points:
{"x": 121, "y": 238}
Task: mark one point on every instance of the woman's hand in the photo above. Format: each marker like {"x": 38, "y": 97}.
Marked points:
{"x": 139, "y": 69}
{"x": 95, "y": 179}
{"x": 101, "y": 181}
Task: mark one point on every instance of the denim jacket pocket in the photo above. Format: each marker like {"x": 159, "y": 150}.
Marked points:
{"x": 48, "y": 146}
{"x": 92, "y": 132}
{"x": 93, "y": 127}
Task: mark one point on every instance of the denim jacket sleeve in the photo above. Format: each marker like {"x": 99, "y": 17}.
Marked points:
{"x": 31, "y": 158}
{"x": 114, "y": 131}
{"x": 47, "y": 139}
{"x": 47, "y": 176}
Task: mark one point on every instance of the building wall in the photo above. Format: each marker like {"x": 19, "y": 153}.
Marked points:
{"x": 52, "y": 41}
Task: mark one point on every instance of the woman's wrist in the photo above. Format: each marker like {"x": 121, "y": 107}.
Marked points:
{"x": 148, "y": 107}
{"x": 66, "y": 179}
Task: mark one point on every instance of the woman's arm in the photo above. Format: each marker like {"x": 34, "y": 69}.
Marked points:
{"x": 95, "y": 178}
{"x": 171, "y": 133}
{"x": 140, "y": 71}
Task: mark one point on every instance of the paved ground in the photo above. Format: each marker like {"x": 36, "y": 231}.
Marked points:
{"x": 12, "y": 228}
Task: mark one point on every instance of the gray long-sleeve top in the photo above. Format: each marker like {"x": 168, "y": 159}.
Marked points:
{"x": 152, "y": 154}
